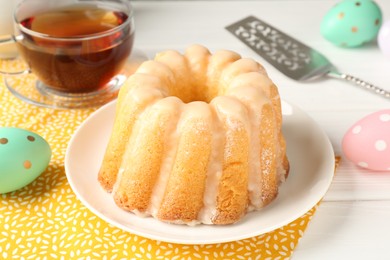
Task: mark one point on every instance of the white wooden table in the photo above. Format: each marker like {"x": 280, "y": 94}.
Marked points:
{"x": 353, "y": 221}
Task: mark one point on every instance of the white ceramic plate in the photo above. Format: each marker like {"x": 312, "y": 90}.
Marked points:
{"x": 312, "y": 166}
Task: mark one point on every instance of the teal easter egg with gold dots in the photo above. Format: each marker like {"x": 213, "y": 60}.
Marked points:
{"x": 352, "y": 23}
{"x": 24, "y": 155}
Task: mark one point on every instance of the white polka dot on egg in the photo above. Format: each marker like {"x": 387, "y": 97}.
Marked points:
{"x": 363, "y": 164}
{"x": 357, "y": 129}
{"x": 380, "y": 145}
{"x": 384, "y": 117}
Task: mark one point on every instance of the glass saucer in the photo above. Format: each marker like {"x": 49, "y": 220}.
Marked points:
{"x": 28, "y": 88}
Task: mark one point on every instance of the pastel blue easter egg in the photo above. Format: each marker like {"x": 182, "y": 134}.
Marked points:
{"x": 24, "y": 155}
{"x": 352, "y": 23}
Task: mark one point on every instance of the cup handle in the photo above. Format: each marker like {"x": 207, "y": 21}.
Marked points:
{"x": 7, "y": 39}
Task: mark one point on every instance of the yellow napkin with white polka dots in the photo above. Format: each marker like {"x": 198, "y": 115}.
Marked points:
{"x": 45, "y": 220}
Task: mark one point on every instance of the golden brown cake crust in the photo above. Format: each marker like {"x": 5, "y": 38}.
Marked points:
{"x": 141, "y": 162}
{"x": 128, "y": 107}
{"x": 183, "y": 197}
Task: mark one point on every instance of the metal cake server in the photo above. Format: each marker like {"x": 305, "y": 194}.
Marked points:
{"x": 291, "y": 57}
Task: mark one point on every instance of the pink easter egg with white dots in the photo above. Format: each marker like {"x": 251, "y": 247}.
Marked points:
{"x": 367, "y": 142}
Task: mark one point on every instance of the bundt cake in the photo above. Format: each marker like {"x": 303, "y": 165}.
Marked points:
{"x": 197, "y": 139}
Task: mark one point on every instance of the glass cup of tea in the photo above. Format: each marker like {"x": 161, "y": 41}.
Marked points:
{"x": 76, "y": 51}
